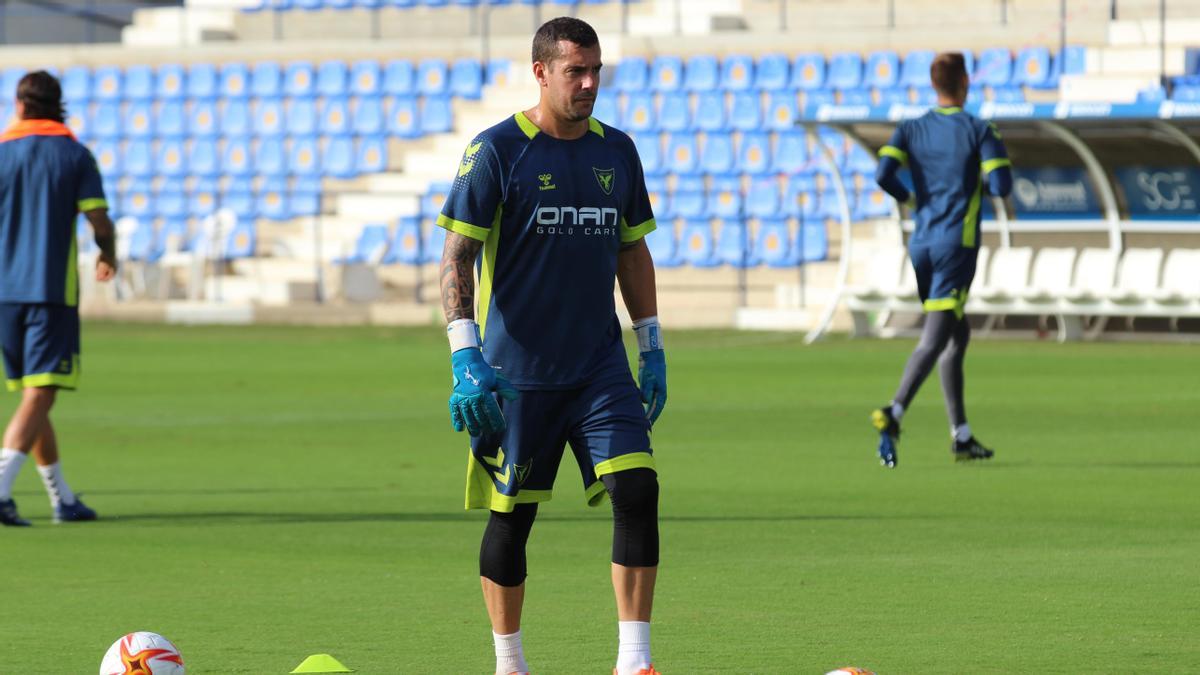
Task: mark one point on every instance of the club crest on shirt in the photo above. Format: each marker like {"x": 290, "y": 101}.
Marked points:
{"x": 605, "y": 178}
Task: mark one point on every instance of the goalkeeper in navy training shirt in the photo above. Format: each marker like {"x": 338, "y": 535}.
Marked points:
{"x": 953, "y": 157}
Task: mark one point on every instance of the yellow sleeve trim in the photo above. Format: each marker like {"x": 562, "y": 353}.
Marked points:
{"x": 993, "y": 164}
{"x": 895, "y": 153}
{"x": 526, "y": 125}
{"x": 632, "y": 234}
{"x": 86, "y": 205}
{"x": 465, "y": 229}
{"x": 634, "y": 460}
{"x": 594, "y": 127}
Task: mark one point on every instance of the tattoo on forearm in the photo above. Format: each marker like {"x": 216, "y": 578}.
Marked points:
{"x": 458, "y": 276}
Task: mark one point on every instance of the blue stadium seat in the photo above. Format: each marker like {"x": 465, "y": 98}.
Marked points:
{"x": 235, "y": 81}
{"x": 773, "y": 243}
{"x": 737, "y": 72}
{"x": 202, "y": 119}
{"x": 108, "y": 159}
{"x": 273, "y": 202}
{"x": 138, "y": 204}
{"x": 688, "y": 204}
{"x": 404, "y": 119}
{"x": 682, "y": 156}
{"x": 78, "y": 121}
{"x": 606, "y": 109}
{"x": 834, "y": 141}
{"x": 773, "y": 73}
{"x": 301, "y": 117}
{"x": 812, "y": 244}
{"x": 203, "y": 158}
{"x": 436, "y": 115}
{"x": 171, "y": 202}
{"x": 710, "y": 111}
{"x": 368, "y": 116}
{"x": 915, "y": 70}
{"x": 733, "y": 243}
{"x": 859, "y": 160}
{"x": 9, "y": 78}
{"x": 106, "y": 84}
{"x": 175, "y": 235}
{"x": 138, "y": 159}
{"x": 845, "y": 71}
{"x": 639, "y": 112}
{"x": 433, "y": 77}
{"x": 106, "y": 121}
{"x": 925, "y": 96}
{"x": 702, "y": 73}
{"x": 819, "y": 97}
{"x": 994, "y": 68}
{"x": 432, "y": 244}
{"x": 499, "y": 72}
{"x": 405, "y": 246}
{"x": 202, "y": 81}
{"x": 754, "y": 153}
{"x": 299, "y": 79}
{"x": 269, "y": 118}
{"x": 138, "y": 120}
{"x": 782, "y": 111}
{"x": 338, "y": 157}
{"x": 883, "y": 70}
{"x": 172, "y": 82}
{"x": 243, "y": 237}
{"x": 800, "y": 199}
{"x": 236, "y": 159}
{"x": 632, "y": 74}
{"x": 894, "y": 96}
{"x": 466, "y": 79}
{"x": 697, "y": 244}
{"x": 666, "y": 74}
{"x": 305, "y": 200}
{"x": 717, "y": 155}
{"x": 873, "y": 203}
{"x": 171, "y": 160}
{"x": 746, "y": 112}
{"x": 266, "y": 79}
{"x": 664, "y": 249}
{"x": 366, "y": 78}
{"x": 371, "y": 246}
{"x": 674, "y": 112}
{"x": 725, "y": 198}
{"x": 139, "y": 83}
{"x": 690, "y": 181}
{"x": 171, "y": 120}
{"x": 76, "y": 85}
{"x": 831, "y": 205}
{"x": 649, "y": 148}
{"x": 762, "y": 200}
{"x": 143, "y": 242}
{"x": 399, "y": 77}
{"x": 1074, "y": 60}
{"x": 270, "y": 157}
{"x": 791, "y": 152}
{"x": 372, "y": 155}
{"x": 236, "y": 119}
{"x": 855, "y": 97}
{"x": 242, "y": 202}
{"x": 202, "y": 202}
{"x": 331, "y": 78}
{"x": 335, "y": 117}
{"x": 809, "y": 72}
{"x": 1032, "y": 67}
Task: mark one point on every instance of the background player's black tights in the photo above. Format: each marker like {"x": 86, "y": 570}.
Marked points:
{"x": 944, "y": 341}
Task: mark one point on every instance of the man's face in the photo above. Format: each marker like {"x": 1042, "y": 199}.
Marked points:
{"x": 571, "y": 80}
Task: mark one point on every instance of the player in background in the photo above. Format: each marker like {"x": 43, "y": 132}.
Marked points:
{"x": 46, "y": 179}
{"x": 557, "y": 203}
{"x": 953, "y": 156}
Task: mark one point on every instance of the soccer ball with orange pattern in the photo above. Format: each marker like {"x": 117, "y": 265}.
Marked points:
{"x": 142, "y": 653}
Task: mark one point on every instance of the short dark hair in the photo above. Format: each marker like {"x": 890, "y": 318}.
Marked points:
{"x": 947, "y": 72}
{"x": 546, "y": 39}
{"x": 41, "y": 95}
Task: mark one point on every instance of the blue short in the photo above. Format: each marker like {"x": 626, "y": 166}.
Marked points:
{"x": 603, "y": 422}
{"x": 944, "y": 276}
{"x": 41, "y": 345}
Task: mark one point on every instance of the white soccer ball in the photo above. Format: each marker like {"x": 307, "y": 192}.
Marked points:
{"x": 851, "y": 670}
{"x": 142, "y": 653}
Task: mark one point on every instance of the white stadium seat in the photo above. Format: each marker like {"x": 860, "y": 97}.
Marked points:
{"x": 883, "y": 273}
{"x": 1051, "y": 276}
{"x": 1180, "y": 279}
{"x": 1094, "y": 275}
{"x": 1008, "y": 275}
{"x": 1137, "y": 275}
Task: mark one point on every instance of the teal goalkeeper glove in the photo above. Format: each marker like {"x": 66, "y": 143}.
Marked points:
{"x": 473, "y": 403}
{"x": 652, "y": 367}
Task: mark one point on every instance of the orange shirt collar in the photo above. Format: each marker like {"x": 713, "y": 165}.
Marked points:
{"x": 25, "y": 128}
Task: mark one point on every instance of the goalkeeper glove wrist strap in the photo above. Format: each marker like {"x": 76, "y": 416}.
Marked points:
{"x": 463, "y": 334}
{"x": 649, "y": 334}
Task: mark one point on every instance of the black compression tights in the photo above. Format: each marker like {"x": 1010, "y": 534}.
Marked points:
{"x": 944, "y": 341}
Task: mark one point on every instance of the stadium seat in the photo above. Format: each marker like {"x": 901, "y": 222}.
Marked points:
{"x": 829, "y": 203}
{"x": 202, "y": 119}
{"x": 432, "y": 244}
{"x": 242, "y": 238}
{"x": 106, "y": 121}
{"x": 368, "y": 116}
{"x": 236, "y": 119}
{"x": 202, "y": 203}
{"x": 338, "y": 157}
{"x": 687, "y": 204}
{"x": 772, "y": 243}
{"x": 725, "y": 198}
{"x": 499, "y": 72}
{"x": 702, "y": 74}
{"x": 754, "y": 153}
{"x": 399, "y": 78}
{"x": 241, "y": 202}
{"x": 372, "y": 155}
{"x": 299, "y": 79}
{"x": 737, "y": 72}
{"x": 710, "y": 111}
{"x": 673, "y": 112}
{"x": 266, "y": 79}
{"x": 819, "y": 97}
{"x": 812, "y": 244}
{"x": 137, "y": 204}
{"x": 203, "y": 158}
{"x": 269, "y": 118}
{"x": 782, "y": 111}
{"x": 733, "y": 244}
{"x": 808, "y": 72}
{"x": 366, "y": 78}
{"x": 202, "y": 81}
{"x": 606, "y": 108}
{"x": 717, "y": 154}
{"x": 436, "y": 115}
{"x": 800, "y": 198}
{"x": 138, "y": 159}
{"x": 174, "y": 235}
{"x": 143, "y": 241}
{"x": 994, "y": 68}
{"x": 664, "y": 249}
{"x": 1049, "y": 279}
{"x": 331, "y": 78}
{"x": 236, "y": 158}
{"x": 434, "y": 199}
{"x": 1180, "y": 278}
{"x": 305, "y": 199}
{"x": 639, "y": 112}
{"x": 690, "y": 181}
{"x": 335, "y": 117}
{"x": 698, "y": 244}
{"x": 855, "y": 97}
{"x": 371, "y": 247}
{"x": 139, "y": 83}
{"x": 404, "y": 117}
{"x": 666, "y": 74}
{"x": 746, "y": 111}
{"x": 302, "y": 118}
{"x": 773, "y": 73}
{"x": 270, "y": 157}
{"x": 762, "y": 200}
{"x": 883, "y": 70}
{"x": 433, "y": 77}
{"x": 915, "y": 70}
{"x": 791, "y": 152}
{"x": 873, "y": 203}
{"x": 405, "y": 246}
{"x": 171, "y": 120}
{"x": 77, "y": 121}
{"x": 894, "y": 96}
{"x": 859, "y": 160}
{"x": 171, "y": 202}
{"x": 138, "y": 118}
{"x": 682, "y": 156}
{"x": 9, "y": 78}
{"x": 171, "y": 159}
{"x": 649, "y": 148}
{"x": 632, "y": 74}
{"x": 466, "y": 79}
{"x": 1008, "y": 275}
{"x": 1032, "y": 67}
{"x": 1074, "y": 60}
{"x": 845, "y": 71}
{"x": 76, "y": 85}
{"x": 106, "y": 84}
{"x": 925, "y": 96}
{"x": 1137, "y": 275}
{"x": 273, "y": 201}
{"x": 235, "y": 81}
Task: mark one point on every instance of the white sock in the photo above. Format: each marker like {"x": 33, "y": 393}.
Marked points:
{"x": 897, "y": 411}
{"x": 10, "y": 465}
{"x": 961, "y": 433}
{"x": 634, "y": 652}
{"x": 510, "y": 655}
{"x": 56, "y": 485}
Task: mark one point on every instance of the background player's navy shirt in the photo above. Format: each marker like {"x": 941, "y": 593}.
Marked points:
{"x": 947, "y": 150}
{"x": 552, "y": 214}
{"x": 46, "y": 179}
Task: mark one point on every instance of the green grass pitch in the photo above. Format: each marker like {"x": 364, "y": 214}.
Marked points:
{"x": 270, "y": 493}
